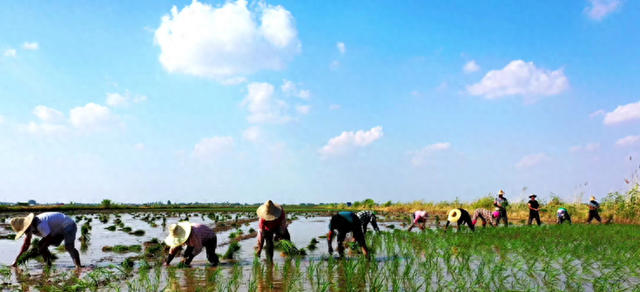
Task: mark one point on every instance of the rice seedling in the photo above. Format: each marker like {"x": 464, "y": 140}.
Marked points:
{"x": 111, "y": 228}
{"x": 232, "y": 251}
{"x": 287, "y": 248}
{"x": 126, "y": 229}
{"x": 313, "y": 244}
{"x": 138, "y": 233}
{"x": 122, "y": 248}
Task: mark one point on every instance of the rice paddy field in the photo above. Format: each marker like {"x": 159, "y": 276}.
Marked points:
{"x": 124, "y": 252}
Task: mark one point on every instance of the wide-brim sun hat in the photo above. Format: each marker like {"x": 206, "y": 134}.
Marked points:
{"x": 454, "y": 215}
{"x": 21, "y": 224}
{"x": 532, "y": 196}
{"x": 269, "y": 211}
{"x": 592, "y": 198}
{"x": 178, "y": 234}
{"x": 501, "y": 192}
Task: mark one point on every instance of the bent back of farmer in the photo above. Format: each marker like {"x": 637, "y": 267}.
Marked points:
{"x": 53, "y": 227}
{"x": 273, "y": 222}
{"x": 563, "y": 215}
{"x": 459, "y": 216}
{"x": 195, "y": 237}
{"x": 345, "y": 222}
{"x": 367, "y": 217}
{"x": 486, "y": 216}
{"x": 419, "y": 218}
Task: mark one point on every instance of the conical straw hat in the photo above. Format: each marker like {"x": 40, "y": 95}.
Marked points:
{"x": 269, "y": 211}
{"x": 454, "y": 215}
{"x": 21, "y": 224}
{"x": 178, "y": 234}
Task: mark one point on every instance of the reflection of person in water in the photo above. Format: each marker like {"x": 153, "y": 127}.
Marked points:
{"x": 266, "y": 282}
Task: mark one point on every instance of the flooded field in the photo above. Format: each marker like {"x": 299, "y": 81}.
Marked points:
{"x": 547, "y": 258}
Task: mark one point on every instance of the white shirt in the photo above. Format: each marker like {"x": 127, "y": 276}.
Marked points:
{"x": 52, "y": 223}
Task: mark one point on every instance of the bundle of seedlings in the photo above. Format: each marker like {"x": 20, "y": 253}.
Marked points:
{"x": 313, "y": 244}
{"x": 137, "y": 232}
{"x": 33, "y": 253}
{"x": 288, "y": 249}
{"x": 233, "y": 251}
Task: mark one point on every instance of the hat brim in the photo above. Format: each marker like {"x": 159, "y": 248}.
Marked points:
{"x": 533, "y": 196}
{"x": 26, "y": 224}
{"x": 275, "y": 213}
{"x": 173, "y": 241}
{"x": 454, "y": 215}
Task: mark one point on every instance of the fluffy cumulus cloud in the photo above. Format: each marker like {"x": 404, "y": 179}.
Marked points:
{"x": 420, "y": 157}
{"x": 341, "y": 47}
{"x": 533, "y": 160}
{"x": 263, "y": 106}
{"x": 227, "y": 41}
{"x": 94, "y": 117}
{"x": 48, "y": 115}
{"x": 597, "y": 113}
{"x": 252, "y": 134}
{"x": 598, "y": 9}
{"x": 471, "y": 67}
{"x": 350, "y": 140}
{"x": 292, "y": 89}
{"x": 213, "y": 147}
{"x": 117, "y": 99}
{"x": 627, "y": 141}
{"x": 520, "y": 78}
{"x": 623, "y": 113}
{"x": 588, "y": 147}
{"x": 30, "y": 46}
{"x": 12, "y": 53}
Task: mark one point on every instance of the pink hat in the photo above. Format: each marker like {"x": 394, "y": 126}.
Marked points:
{"x": 496, "y": 214}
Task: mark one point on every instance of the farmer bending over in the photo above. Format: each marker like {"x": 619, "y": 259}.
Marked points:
{"x": 593, "y": 210}
{"x": 534, "y": 210}
{"x": 366, "y": 217}
{"x": 563, "y": 215}
{"x": 460, "y": 216}
{"x": 53, "y": 227}
{"x": 194, "y": 236}
{"x": 345, "y": 222}
{"x": 501, "y": 204}
{"x": 273, "y": 222}
{"x": 486, "y": 216}
{"x": 419, "y": 219}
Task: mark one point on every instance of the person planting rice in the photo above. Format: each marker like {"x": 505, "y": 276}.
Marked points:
{"x": 486, "y": 216}
{"x": 501, "y": 204}
{"x": 459, "y": 216}
{"x": 367, "y": 217}
{"x": 53, "y": 227}
{"x": 419, "y": 219}
{"x": 563, "y": 215}
{"x": 195, "y": 237}
{"x": 534, "y": 210}
{"x": 273, "y": 222}
{"x": 345, "y": 222}
{"x": 593, "y": 210}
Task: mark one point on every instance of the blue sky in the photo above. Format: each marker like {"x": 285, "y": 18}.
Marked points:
{"x": 287, "y": 100}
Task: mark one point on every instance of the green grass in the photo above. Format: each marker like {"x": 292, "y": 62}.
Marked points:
{"x": 122, "y": 248}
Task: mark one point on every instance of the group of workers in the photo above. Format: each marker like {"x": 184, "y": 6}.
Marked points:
{"x": 54, "y": 228}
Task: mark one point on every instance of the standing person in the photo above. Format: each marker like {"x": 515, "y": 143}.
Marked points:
{"x": 563, "y": 215}
{"x": 593, "y": 210}
{"x": 486, "y": 216}
{"x": 534, "y": 210}
{"x": 345, "y": 222}
{"x": 195, "y": 237}
{"x": 460, "y": 216}
{"x": 273, "y": 221}
{"x": 367, "y": 217}
{"x": 501, "y": 204}
{"x": 419, "y": 219}
{"x": 53, "y": 227}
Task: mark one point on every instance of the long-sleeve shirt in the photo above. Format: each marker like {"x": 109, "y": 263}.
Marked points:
{"x": 420, "y": 216}
{"x": 367, "y": 217}
{"x": 484, "y": 214}
{"x": 199, "y": 234}
{"x": 279, "y": 224}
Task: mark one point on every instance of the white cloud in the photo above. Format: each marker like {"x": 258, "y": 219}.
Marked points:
{"x": 601, "y": 8}
{"x": 627, "y": 141}
{"x": 116, "y": 99}
{"x": 520, "y": 78}
{"x": 11, "y": 53}
{"x": 420, "y": 157}
{"x": 597, "y": 113}
{"x": 213, "y": 147}
{"x": 532, "y": 160}
{"x": 234, "y": 81}
{"x": 334, "y": 106}
{"x": 349, "y": 140}
{"x": 262, "y": 105}
{"x": 228, "y": 40}
{"x": 45, "y": 129}
{"x": 48, "y": 115}
{"x": 623, "y": 113}
{"x": 470, "y": 67}
{"x": 252, "y": 134}
{"x": 335, "y": 65}
{"x": 588, "y": 147}
{"x": 303, "y": 109}
{"x": 30, "y": 46}
{"x": 341, "y": 47}
{"x": 139, "y": 146}
{"x": 290, "y": 88}
{"x": 94, "y": 117}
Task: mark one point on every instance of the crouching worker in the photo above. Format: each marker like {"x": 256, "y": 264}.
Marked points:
{"x": 367, "y": 217}
{"x": 419, "y": 219}
{"x": 53, "y": 227}
{"x": 563, "y": 215}
{"x": 343, "y": 223}
{"x": 273, "y": 222}
{"x": 460, "y": 216}
{"x": 195, "y": 237}
{"x": 486, "y": 216}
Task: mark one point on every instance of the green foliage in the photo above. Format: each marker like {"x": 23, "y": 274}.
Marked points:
{"x": 106, "y": 203}
{"x": 289, "y": 249}
{"x": 232, "y": 251}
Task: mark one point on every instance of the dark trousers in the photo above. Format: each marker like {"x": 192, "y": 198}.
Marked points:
{"x": 210, "y": 248}
{"x": 534, "y": 215}
{"x": 566, "y": 217}
{"x": 343, "y": 226}
{"x": 593, "y": 214}
{"x": 268, "y": 238}
{"x": 503, "y": 217}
